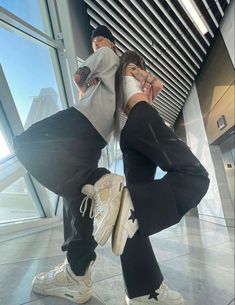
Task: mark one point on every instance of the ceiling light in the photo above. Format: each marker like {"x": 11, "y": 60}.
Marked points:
{"x": 194, "y": 14}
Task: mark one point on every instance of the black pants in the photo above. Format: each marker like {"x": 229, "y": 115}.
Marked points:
{"x": 62, "y": 153}
{"x": 146, "y": 143}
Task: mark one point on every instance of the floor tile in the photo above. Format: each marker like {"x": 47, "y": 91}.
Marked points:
{"x": 196, "y": 258}
{"x": 232, "y": 302}
{"x": 199, "y": 282}
{"x": 111, "y": 290}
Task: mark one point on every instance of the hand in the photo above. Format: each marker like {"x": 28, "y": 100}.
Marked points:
{"x": 83, "y": 88}
{"x": 153, "y": 89}
{"x": 148, "y": 86}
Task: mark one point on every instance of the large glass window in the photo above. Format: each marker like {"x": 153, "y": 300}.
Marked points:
{"x": 33, "y": 12}
{"x": 53, "y": 200}
{"x": 31, "y": 70}
{"x": 5, "y": 150}
{"x": 16, "y": 203}
{"x": 33, "y": 90}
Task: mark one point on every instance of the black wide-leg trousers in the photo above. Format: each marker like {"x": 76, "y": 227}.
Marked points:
{"x": 146, "y": 143}
{"x": 62, "y": 153}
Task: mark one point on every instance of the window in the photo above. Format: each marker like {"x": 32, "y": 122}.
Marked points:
{"x": 16, "y": 203}
{"x": 31, "y": 67}
{"x": 5, "y": 150}
{"x": 31, "y": 70}
{"x": 33, "y": 12}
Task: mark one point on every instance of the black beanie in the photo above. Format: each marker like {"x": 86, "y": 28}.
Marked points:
{"x": 102, "y": 30}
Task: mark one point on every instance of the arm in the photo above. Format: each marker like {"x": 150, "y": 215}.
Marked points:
{"x": 150, "y": 84}
{"x": 81, "y": 83}
{"x": 87, "y": 75}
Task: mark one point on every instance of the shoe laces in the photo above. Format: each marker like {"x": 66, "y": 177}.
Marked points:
{"x": 164, "y": 289}
{"x": 164, "y": 286}
{"x": 58, "y": 269}
{"x": 91, "y": 193}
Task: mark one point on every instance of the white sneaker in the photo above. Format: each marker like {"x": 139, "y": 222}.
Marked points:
{"x": 106, "y": 197}
{"x": 126, "y": 225}
{"x": 162, "y": 296}
{"x": 62, "y": 282}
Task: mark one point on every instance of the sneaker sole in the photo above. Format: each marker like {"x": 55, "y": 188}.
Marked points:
{"x": 141, "y": 302}
{"x": 102, "y": 236}
{"x": 119, "y": 235}
{"x": 64, "y": 293}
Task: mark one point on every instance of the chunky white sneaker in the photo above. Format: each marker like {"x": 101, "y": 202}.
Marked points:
{"x": 162, "y": 296}
{"x": 126, "y": 225}
{"x": 62, "y": 282}
{"x": 106, "y": 197}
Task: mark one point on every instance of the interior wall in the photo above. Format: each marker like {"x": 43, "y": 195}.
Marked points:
{"x": 179, "y": 128}
{"x": 81, "y": 28}
{"x": 227, "y": 28}
{"x": 210, "y": 208}
{"x": 211, "y": 97}
{"x": 215, "y": 88}
{"x": 76, "y": 33}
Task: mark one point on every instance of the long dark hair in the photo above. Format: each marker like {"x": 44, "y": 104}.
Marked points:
{"x": 127, "y": 58}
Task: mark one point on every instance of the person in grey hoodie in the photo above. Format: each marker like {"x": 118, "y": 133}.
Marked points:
{"x": 62, "y": 153}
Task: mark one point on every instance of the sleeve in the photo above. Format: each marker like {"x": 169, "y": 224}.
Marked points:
{"x": 95, "y": 64}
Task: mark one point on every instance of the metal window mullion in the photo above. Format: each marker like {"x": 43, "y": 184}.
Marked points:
{"x": 16, "y": 126}
{"x": 36, "y": 198}
{"x": 10, "y": 171}
{"x": 13, "y": 21}
{"x": 8, "y": 106}
{"x": 61, "y": 53}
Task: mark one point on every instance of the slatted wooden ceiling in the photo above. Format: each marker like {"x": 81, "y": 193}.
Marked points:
{"x": 165, "y": 35}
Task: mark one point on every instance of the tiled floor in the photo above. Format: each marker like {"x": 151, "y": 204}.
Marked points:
{"x": 196, "y": 259}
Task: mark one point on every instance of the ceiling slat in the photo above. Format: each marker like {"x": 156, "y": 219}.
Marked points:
{"x": 186, "y": 26}
{"x": 158, "y": 3}
{"x": 129, "y": 39}
{"x": 189, "y": 16}
{"x": 210, "y": 13}
{"x": 168, "y": 40}
{"x": 219, "y": 8}
{"x": 158, "y": 17}
{"x": 151, "y": 33}
{"x": 180, "y": 57}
